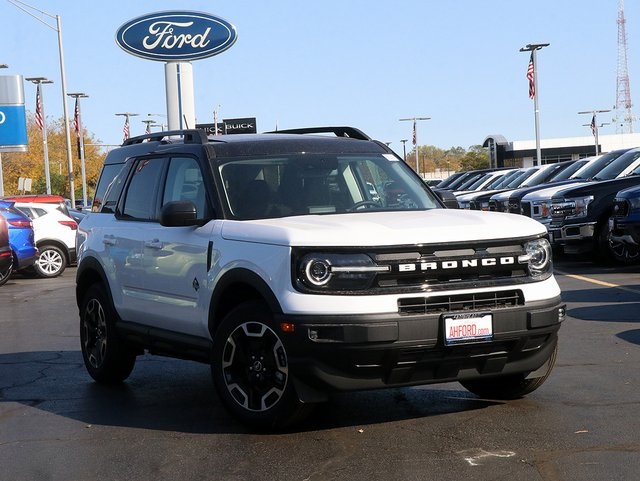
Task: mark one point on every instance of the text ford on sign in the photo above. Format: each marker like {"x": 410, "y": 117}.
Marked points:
{"x": 176, "y": 36}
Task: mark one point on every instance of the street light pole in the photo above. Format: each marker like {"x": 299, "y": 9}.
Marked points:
{"x": 38, "y": 81}
{"x": 58, "y": 29}
{"x": 404, "y": 149}
{"x": 77, "y": 122}
{"x": 533, "y": 48}
{"x": 126, "y": 133}
{"x": 162, "y": 125}
{"x": 2, "y": 65}
{"x": 148, "y": 124}
{"x": 594, "y": 124}
{"x": 415, "y": 137}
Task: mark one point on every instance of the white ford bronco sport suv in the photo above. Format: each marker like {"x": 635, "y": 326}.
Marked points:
{"x": 297, "y": 265}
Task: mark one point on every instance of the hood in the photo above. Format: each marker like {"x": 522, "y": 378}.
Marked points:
{"x": 383, "y": 228}
{"x": 548, "y": 192}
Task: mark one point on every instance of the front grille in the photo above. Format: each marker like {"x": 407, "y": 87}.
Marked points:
{"x": 443, "y": 267}
{"x": 462, "y": 302}
{"x": 526, "y": 208}
{"x": 514, "y": 207}
{"x": 493, "y": 205}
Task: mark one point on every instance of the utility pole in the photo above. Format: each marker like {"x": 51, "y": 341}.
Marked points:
{"x": 415, "y": 137}
{"x": 404, "y": 149}
{"x": 532, "y": 75}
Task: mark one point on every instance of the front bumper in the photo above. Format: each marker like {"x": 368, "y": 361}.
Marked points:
{"x": 574, "y": 238}
{"x": 366, "y": 352}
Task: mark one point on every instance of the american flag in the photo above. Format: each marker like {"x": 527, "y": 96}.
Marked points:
{"x": 415, "y": 134}
{"x": 76, "y": 118}
{"x": 147, "y": 131}
{"x": 593, "y": 124}
{"x": 530, "y": 77}
{"x": 39, "y": 117}
{"x": 125, "y": 129}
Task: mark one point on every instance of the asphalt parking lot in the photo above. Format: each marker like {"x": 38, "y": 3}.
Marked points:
{"x": 166, "y": 422}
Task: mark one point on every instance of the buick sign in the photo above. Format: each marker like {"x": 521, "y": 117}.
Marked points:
{"x": 176, "y": 36}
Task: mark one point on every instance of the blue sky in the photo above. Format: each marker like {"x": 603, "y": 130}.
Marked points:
{"x": 365, "y": 63}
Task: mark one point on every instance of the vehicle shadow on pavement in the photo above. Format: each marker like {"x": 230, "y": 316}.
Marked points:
{"x": 632, "y": 336}
{"x": 178, "y": 396}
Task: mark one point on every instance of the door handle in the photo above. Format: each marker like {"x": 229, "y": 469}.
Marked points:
{"x": 109, "y": 240}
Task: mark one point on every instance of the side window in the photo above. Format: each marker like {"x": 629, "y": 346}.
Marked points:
{"x": 140, "y": 199}
{"x": 185, "y": 182}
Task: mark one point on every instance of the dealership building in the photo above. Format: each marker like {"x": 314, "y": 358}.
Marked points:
{"x": 522, "y": 153}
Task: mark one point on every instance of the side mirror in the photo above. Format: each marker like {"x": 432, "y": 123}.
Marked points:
{"x": 179, "y": 213}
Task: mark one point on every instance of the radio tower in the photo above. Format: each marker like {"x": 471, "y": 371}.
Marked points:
{"x": 624, "y": 116}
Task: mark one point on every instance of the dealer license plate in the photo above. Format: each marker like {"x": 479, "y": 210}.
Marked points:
{"x": 467, "y": 328}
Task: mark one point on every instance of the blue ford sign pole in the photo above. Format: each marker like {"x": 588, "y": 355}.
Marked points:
{"x": 177, "y": 38}
{"x": 13, "y": 118}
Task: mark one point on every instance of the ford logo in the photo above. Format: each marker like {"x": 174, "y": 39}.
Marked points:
{"x": 176, "y": 36}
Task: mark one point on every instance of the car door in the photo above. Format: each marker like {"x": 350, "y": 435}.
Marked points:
{"x": 135, "y": 215}
{"x": 175, "y": 258}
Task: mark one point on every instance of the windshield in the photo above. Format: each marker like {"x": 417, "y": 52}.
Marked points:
{"x": 279, "y": 186}
{"x": 615, "y": 168}
{"x": 567, "y": 172}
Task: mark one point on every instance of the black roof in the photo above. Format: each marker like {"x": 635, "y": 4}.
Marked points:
{"x": 346, "y": 140}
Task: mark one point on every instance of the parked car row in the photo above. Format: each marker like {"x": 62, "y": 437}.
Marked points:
{"x": 41, "y": 235}
{"x": 590, "y": 206}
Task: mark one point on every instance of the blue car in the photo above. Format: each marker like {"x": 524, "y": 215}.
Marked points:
{"x": 21, "y": 238}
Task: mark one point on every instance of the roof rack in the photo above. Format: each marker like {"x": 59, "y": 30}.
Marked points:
{"x": 350, "y": 132}
{"x": 190, "y": 136}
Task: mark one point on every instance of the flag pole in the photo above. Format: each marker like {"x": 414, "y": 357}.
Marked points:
{"x": 41, "y": 120}
{"x": 594, "y": 124}
{"x": 533, "y": 88}
{"x": 77, "y": 123}
{"x": 415, "y": 138}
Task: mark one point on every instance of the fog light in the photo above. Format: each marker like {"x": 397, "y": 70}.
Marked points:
{"x": 562, "y": 313}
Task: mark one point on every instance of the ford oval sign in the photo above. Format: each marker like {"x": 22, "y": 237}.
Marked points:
{"x": 176, "y": 36}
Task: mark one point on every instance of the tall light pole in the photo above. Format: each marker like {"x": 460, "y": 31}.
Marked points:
{"x": 125, "y": 130}
{"x": 161, "y": 124}
{"x": 77, "y": 123}
{"x": 148, "y": 124}
{"x": 415, "y": 137}
{"x": 532, "y": 75}
{"x": 2, "y": 65}
{"x": 42, "y": 124}
{"x": 404, "y": 149}
{"x": 594, "y": 124}
{"x": 58, "y": 29}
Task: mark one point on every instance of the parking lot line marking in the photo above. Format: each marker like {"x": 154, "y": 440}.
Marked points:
{"x": 593, "y": 281}
{"x": 600, "y": 283}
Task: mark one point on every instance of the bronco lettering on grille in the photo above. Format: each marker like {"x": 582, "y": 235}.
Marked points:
{"x": 458, "y": 264}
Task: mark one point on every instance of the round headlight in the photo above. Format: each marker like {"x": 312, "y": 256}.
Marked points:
{"x": 540, "y": 255}
{"x": 318, "y": 271}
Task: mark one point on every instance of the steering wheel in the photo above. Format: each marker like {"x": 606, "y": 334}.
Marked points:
{"x": 363, "y": 203}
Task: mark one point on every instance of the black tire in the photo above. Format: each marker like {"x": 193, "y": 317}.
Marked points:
{"x": 621, "y": 252}
{"x": 51, "y": 261}
{"x": 6, "y": 273}
{"x": 250, "y": 369}
{"x": 513, "y": 386}
{"x": 106, "y": 358}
